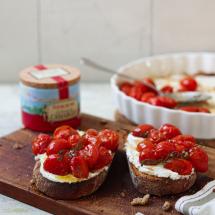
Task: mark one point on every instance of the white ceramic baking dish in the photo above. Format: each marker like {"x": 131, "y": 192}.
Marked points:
{"x": 200, "y": 125}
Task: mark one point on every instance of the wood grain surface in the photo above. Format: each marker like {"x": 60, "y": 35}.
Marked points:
{"x": 113, "y": 197}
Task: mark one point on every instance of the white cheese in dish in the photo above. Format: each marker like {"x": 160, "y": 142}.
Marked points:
{"x": 155, "y": 170}
{"x": 207, "y": 82}
{"x": 172, "y": 80}
{"x": 66, "y": 178}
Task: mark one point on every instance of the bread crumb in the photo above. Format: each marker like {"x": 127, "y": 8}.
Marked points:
{"x": 122, "y": 194}
{"x": 31, "y": 181}
{"x": 166, "y": 206}
{"x": 140, "y": 201}
{"x": 17, "y": 146}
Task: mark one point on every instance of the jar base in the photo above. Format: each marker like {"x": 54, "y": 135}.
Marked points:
{"x": 37, "y": 122}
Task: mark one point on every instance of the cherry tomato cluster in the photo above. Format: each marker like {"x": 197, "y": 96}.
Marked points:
{"x": 141, "y": 92}
{"x": 167, "y": 144}
{"x": 69, "y": 152}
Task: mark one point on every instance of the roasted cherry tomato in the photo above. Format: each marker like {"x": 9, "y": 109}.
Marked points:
{"x": 92, "y": 132}
{"x": 40, "y": 143}
{"x": 163, "y": 101}
{"x": 187, "y": 144}
{"x": 169, "y": 131}
{"x": 155, "y": 136}
{"x": 126, "y": 87}
{"x": 199, "y": 159}
{"x": 145, "y": 144}
{"x": 181, "y": 166}
{"x": 90, "y": 137}
{"x": 184, "y": 142}
{"x": 149, "y": 81}
{"x": 182, "y": 146}
{"x": 137, "y": 90}
{"x": 68, "y": 155}
{"x": 90, "y": 153}
{"x": 142, "y": 86}
{"x": 57, "y": 146}
{"x": 183, "y": 137}
{"x": 63, "y": 132}
{"x": 204, "y": 110}
{"x": 167, "y": 89}
{"x": 74, "y": 140}
{"x": 195, "y": 109}
{"x": 148, "y": 95}
{"x": 164, "y": 149}
{"x": 142, "y": 130}
{"x": 189, "y": 83}
{"x": 104, "y": 158}
{"x": 79, "y": 167}
{"x": 109, "y": 139}
{"x": 147, "y": 155}
{"x": 179, "y": 148}
{"x": 57, "y": 165}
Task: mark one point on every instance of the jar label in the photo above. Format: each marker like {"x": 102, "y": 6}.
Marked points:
{"x": 61, "y": 110}
{"x": 48, "y": 73}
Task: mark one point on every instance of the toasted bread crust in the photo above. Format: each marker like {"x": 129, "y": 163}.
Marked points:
{"x": 158, "y": 186}
{"x": 65, "y": 190}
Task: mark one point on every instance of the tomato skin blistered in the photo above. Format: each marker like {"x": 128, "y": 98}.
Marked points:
{"x": 40, "y": 143}
{"x": 188, "y": 84}
{"x": 168, "y": 145}
{"x": 68, "y": 152}
{"x": 181, "y": 166}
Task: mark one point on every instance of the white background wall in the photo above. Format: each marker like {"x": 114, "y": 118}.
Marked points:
{"x": 112, "y": 32}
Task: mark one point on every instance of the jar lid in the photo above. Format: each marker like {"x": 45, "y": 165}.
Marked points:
{"x": 44, "y": 76}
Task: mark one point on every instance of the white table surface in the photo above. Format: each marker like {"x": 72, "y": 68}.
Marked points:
{"x": 92, "y": 96}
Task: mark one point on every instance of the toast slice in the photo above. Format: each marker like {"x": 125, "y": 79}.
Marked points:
{"x": 158, "y": 186}
{"x": 65, "y": 191}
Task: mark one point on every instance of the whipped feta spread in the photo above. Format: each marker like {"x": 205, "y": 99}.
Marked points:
{"x": 65, "y": 178}
{"x": 155, "y": 170}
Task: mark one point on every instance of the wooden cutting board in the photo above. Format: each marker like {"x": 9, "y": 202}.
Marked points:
{"x": 113, "y": 197}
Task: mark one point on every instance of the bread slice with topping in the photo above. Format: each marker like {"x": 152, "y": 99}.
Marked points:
{"x": 65, "y": 191}
{"x": 163, "y": 161}
{"x": 72, "y": 164}
{"x": 159, "y": 186}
